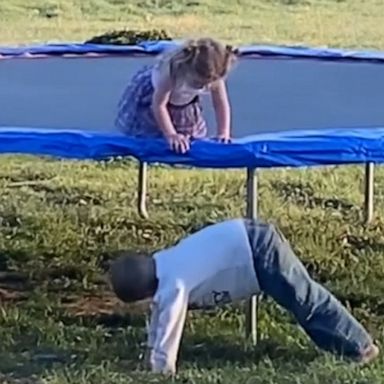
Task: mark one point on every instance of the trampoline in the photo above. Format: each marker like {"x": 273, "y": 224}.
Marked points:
{"x": 291, "y": 106}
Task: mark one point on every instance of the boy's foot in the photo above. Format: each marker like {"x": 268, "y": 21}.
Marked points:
{"x": 369, "y": 355}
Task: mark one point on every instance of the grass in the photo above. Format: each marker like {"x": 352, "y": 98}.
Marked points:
{"x": 61, "y": 220}
{"x": 337, "y": 23}
{"x": 59, "y": 224}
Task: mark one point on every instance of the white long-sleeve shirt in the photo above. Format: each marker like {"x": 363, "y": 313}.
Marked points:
{"x": 210, "y": 267}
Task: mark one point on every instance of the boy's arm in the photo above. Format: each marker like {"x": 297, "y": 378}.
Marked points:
{"x": 166, "y": 329}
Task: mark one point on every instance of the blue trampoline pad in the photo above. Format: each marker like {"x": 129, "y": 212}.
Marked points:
{"x": 290, "y": 106}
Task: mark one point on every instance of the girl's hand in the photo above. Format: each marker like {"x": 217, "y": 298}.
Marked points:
{"x": 223, "y": 138}
{"x": 178, "y": 142}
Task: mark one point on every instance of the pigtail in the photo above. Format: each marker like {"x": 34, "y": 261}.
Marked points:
{"x": 232, "y": 50}
{"x": 230, "y": 59}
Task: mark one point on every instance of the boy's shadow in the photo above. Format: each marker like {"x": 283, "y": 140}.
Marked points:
{"x": 212, "y": 351}
{"x": 217, "y": 351}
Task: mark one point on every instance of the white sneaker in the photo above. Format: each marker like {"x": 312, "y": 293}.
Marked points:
{"x": 370, "y": 354}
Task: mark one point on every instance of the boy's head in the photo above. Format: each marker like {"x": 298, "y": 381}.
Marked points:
{"x": 133, "y": 277}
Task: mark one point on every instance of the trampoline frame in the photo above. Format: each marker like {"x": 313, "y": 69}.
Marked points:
{"x": 251, "y": 212}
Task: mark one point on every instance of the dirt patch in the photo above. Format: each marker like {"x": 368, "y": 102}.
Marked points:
{"x": 14, "y": 287}
{"x": 103, "y": 309}
{"x": 92, "y": 304}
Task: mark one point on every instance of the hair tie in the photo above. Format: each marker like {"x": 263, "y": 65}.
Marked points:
{"x": 191, "y": 47}
{"x": 232, "y": 50}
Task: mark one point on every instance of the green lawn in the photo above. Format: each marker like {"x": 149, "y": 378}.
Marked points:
{"x": 61, "y": 220}
{"x": 351, "y": 23}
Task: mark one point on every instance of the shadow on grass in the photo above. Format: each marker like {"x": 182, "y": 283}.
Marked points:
{"x": 303, "y": 194}
{"x": 107, "y": 320}
{"x": 217, "y": 351}
{"x": 19, "y": 368}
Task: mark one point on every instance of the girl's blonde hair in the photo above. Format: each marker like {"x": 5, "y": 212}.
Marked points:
{"x": 206, "y": 59}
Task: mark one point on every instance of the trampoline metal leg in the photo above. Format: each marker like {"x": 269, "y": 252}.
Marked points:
{"x": 253, "y": 303}
{"x": 369, "y": 192}
{"x": 142, "y": 190}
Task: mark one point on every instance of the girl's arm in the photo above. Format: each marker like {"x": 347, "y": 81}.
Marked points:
{"x": 160, "y": 100}
{"x": 222, "y": 110}
{"x": 159, "y": 106}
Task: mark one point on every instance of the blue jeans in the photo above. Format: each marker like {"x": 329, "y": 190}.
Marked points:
{"x": 284, "y": 278}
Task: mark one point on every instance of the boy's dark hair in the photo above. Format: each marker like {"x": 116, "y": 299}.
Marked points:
{"x": 132, "y": 276}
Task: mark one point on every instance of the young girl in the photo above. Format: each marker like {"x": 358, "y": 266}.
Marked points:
{"x": 163, "y": 100}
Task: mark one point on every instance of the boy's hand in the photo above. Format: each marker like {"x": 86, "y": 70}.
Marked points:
{"x": 146, "y": 364}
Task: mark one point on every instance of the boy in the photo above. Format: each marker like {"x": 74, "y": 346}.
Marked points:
{"x": 228, "y": 261}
